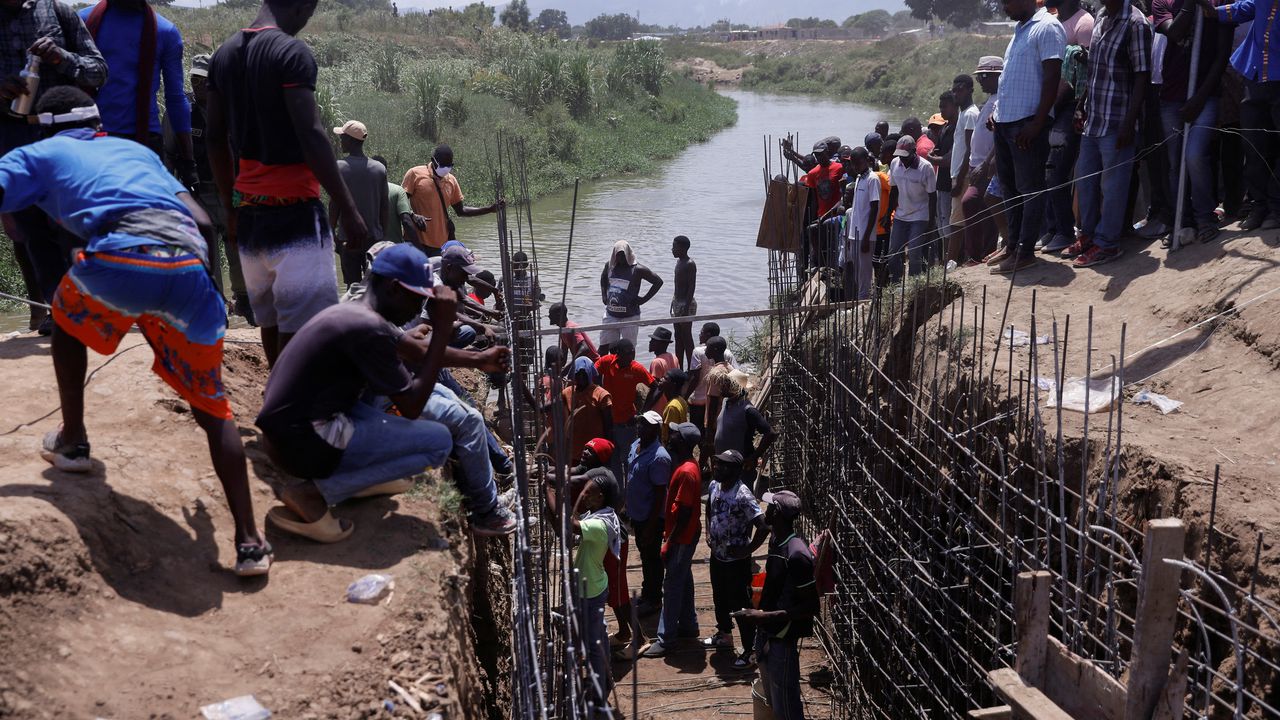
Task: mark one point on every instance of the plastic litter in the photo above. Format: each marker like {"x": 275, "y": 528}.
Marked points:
{"x": 1046, "y": 384}
{"x": 1163, "y": 403}
{"x": 245, "y": 707}
{"x": 1103, "y": 393}
{"x": 1018, "y": 338}
{"x": 951, "y": 265}
{"x": 370, "y": 589}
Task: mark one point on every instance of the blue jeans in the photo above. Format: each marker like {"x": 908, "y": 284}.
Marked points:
{"x": 595, "y": 635}
{"x": 1104, "y": 199}
{"x": 907, "y": 234}
{"x": 383, "y": 448}
{"x": 679, "y": 616}
{"x": 497, "y": 457}
{"x": 1200, "y": 170}
{"x": 783, "y": 660}
{"x": 1022, "y": 181}
{"x": 463, "y": 336}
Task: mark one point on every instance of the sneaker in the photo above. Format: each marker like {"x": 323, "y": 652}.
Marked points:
{"x": 245, "y": 310}
{"x": 1207, "y": 235}
{"x": 1097, "y": 255}
{"x": 654, "y": 649}
{"x": 1014, "y": 263}
{"x": 1152, "y": 229}
{"x": 719, "y": 641}
{"x": 1058, "y": 244}
{"x": 67, "y": 457}
{"x": 1078, "y": 248}
{"x": 1044, "y": 239}
{"x": 996, "y": 257}
{"x": 253, "y": 559}
{"x": 1255, "y": 219}
{"x": 744, "y": 662}
{"x": 509, "y": 499}
{"x": 495, "y": 523}
{"x": 1270, "y": 223}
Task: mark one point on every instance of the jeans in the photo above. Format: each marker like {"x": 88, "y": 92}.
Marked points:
{"x": 1259, "y": 120}
{"x": 908, "y": 234}
{"x": 648, "y": 539}
{"x": 1062, "y": 164}
{"x": 463, "y": 336}
{"x": 470, "y": 446}
{"x": 731, "y": 592}
{"x": 1104, "y": 199}
{"x": 623, "y": 436}
{"x": 783, "y": 660}
{"x": 1022, "y": 180}
{"x": 1199, "y": 170}
{"x": 595, "y": 633}
{"x": 384, "y": 447}
{"x": 679, "y": 617}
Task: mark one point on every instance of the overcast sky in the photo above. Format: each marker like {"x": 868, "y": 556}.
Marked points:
{"x": 685, "y": 13}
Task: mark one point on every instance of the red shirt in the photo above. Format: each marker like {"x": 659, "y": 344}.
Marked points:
{"x": 570, "y": 339}
{"x": 924, "y": 146}
{"x": 826, "y": 181}
{"x": 621, "y": 383}
{"x": 684, "y": 491}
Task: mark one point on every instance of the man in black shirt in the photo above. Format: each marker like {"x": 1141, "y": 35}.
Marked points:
{"x": 318, "y": 427}
{"x": 788, "y": 605}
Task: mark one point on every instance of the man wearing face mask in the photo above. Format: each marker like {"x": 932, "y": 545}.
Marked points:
{"x": 432, "y": 190}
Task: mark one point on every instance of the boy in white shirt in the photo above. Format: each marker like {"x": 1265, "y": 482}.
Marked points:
{"x": 863, "y": 201}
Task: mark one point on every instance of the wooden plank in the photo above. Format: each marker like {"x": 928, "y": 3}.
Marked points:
{"x": 1000, "y": 712}
{"x": 1080, "y": 687}
{"x": 1027, "y": 702}
{"x": 1031, "y": 618}
{"x": 1155, "y": 617}
{"x": 1175, "y": 691}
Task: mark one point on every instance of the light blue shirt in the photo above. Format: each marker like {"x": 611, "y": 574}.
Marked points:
{"x": 1034, "y": 41}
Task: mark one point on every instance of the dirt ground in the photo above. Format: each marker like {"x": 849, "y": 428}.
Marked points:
{"x": 691, "y": 683}
{"x": 707, "y": 71}
{"x": 116, "y": 595}
{"x": 1225, "y": 371}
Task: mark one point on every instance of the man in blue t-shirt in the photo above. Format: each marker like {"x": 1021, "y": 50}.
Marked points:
{"x": 648, "y": 472}
{"x": 144, "y": 262}
{"x": 141, "y": 47}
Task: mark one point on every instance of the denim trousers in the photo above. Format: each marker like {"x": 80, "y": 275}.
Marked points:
{"x": 780, "y": 664}
{"x": 679, "y": 616}
{"x": 731, "y": 592}
{"x": 1201, "y": 197}
{"x": 384, "y": 447}
{"x": 595, "y": 633}
{"x": 1104, "y": 171}
{"x": 497, "y": 456}
{"x": 908, "y": 234}
{"x": 1259, "y": 121}
{"x": 1022, "y": 180}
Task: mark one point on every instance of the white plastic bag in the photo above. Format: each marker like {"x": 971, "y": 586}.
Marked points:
{"x": 370, "y": 589}
{"x": 1103, "y": 393}
{"x": 245, "y": 707}
{"x": 1163, "y": 403}
{"x": 1019, "y": 338}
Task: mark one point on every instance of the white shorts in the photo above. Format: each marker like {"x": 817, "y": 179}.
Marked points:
{"x": 609, "y": 336}
{"x": 287, "y": 257}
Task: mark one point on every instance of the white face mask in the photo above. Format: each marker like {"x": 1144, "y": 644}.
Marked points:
{"x": 445, "y": 170}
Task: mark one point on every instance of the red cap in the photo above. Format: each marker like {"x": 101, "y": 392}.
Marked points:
{"x": 602, "y": 448}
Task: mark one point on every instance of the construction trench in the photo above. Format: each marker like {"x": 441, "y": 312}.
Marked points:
{"x": 990, "y": 562}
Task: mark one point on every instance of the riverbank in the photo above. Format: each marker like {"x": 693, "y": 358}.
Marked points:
{"x": 581, "y": 111}
{"x": 899, "y": 72}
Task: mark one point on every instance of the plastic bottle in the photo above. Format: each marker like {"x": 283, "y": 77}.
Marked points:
{"x": 30, "y": 75}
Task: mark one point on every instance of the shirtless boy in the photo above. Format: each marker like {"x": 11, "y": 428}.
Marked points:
{"x": 683, "y": 305}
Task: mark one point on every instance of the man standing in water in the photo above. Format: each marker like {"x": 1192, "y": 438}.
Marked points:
{"x": 620, "y": 292}
{"x": 683, "y": 304}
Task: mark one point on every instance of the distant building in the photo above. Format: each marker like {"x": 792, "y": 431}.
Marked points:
{"x": 997, "y": 28}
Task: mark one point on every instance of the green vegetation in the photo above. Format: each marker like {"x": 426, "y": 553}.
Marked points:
{"x": 415, "y": 80}
{"x": 898, "y": 72}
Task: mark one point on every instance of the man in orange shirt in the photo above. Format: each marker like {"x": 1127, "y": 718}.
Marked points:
{"x": 433, "y": 189}
{"x": 619, "y": 375}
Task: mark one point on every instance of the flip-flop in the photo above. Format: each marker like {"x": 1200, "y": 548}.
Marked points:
{"x": 327, "y": 529}
{"x": 391, "y": 487}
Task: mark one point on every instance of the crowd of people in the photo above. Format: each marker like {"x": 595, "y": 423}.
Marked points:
{"x": 1080, "y": 134}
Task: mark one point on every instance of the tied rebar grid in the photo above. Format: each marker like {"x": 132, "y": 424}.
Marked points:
{"x": 927, "y": 446}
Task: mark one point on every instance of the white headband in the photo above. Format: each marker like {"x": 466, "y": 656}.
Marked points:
{"x": 89, "y": 112}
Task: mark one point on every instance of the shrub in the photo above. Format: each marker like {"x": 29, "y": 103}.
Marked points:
{"x": 386, "y": 70}
{"x": 578, "y": 84}
{"x": 453, "y": 109}
{"x": 562, "y": 132}
{"x": 428, "y": 91}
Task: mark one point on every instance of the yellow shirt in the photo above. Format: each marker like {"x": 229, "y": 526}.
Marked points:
{"x": 677, "y": 411}
{"x": 420, "y": 183}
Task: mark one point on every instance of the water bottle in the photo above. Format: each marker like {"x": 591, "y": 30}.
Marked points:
{"x": 22, "y": 104}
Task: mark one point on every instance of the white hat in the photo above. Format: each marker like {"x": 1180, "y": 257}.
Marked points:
{"x": 352, "y": 128}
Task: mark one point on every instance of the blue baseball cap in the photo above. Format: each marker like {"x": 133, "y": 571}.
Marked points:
{"x": 871, "y": 138}
{"x": 406, "y": 265}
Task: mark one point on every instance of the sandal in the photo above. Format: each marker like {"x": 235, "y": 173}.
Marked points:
{"x": 327, "y": 529}
{"x": 253, "y": 559}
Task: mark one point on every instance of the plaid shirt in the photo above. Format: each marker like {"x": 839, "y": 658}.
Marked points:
{"x": 1121, "y": 48}
{"x": 36, "y": 19}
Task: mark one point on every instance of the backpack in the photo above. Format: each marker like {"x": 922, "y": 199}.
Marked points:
{"x": 824, "y": 562}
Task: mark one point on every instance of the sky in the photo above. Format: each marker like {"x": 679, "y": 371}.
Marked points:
{"x": 684, "y": 13}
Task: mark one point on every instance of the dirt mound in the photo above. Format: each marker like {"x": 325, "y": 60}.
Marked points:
{"x": 116, "y": 596}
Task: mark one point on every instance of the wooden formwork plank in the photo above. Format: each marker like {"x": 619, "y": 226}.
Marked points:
{"x": 1155, "y": 617}
{"x": 1000, "y": 712}
{"x": 1031, "y": 619}
{"x": 1080, "y": 687}
{"x": 1027, "y": 702}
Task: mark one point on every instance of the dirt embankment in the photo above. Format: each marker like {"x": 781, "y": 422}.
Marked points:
{"x": 708, "y": 72}
{"x": 116, "y": 597}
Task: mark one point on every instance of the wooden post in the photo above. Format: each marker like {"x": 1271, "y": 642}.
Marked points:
{"x": 1031, "y": 617}
{"x": 1154, "y": 617}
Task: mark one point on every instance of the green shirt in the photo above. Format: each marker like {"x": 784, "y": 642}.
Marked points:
{"x": 392, "y": 228}
{"x": 590, "y": 558}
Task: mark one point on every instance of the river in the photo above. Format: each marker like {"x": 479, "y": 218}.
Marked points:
{"x": 712, "y": 193}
